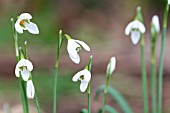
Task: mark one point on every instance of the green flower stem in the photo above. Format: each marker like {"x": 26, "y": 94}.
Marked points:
{"x": 89, "y": 69}
{"x": 24, "y": 52}
{"x": 55, "y": 90}
{"x": 153, "y": 81}
{"x": 160, "y": 75}
{"x": 15, "y": 39}
{"x": 56, "y": 72}
{"x": 144, "y": 75}
{"x": 105, "y": 91}
{"x": 37, "y": 103}
{"x": 89, "y": 98}
{"x": 22, "y": 84}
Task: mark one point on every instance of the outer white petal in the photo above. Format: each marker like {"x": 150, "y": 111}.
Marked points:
{"x": 25, "y": 74}
{"x": 30, "y": 89}
{"x": 87, "y": 75}
{"x": 83, "y": 86}
{"x": 26, "y": 16}
{"x": 77, "y": 76}
{"x": 71, "y": 48}
{"x": 84, "y": 45}
{"x": 155, "y": 21}
{"x": 29, "y": 65}
{"x": 137, "y": 24}
{"x": 31, "y": 27}
{"x": 75, "y": 60}
{"x": 17, "y": 70}
{"x": 18, "y": 28}
{"x": 111, "y": 65}
{"x": 22, "y": 62}
{"x": 169, "y": 2}
{"x": 135, "y": 36}
{"x": 128, "y": 28}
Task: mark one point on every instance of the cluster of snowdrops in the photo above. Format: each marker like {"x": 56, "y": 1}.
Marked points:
{"x": 136, "y": 29}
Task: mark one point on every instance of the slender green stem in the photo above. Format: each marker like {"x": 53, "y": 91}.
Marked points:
{"x": 106, "y": 87}
{"x": 22, "y": 96}
{"x": 105, "y": 92}
{"x": 22, "y": 84}
{"x": 15, "y": 40}
{"x": 160, "y": 75}
{"x": 89, "y": 68}
{"x": 153, "y": 82}
{"x": 55, "y": 90}
{"x": 144, "y": 75}
{"x": 37, "y": 103}
{"x": 56, "y": 72}
{"x": 89, "y": 98}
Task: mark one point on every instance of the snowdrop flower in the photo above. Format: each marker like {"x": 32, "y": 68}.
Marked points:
{"x": 169, "y": 2}
{"x": 30, "y": 89}
{"x": 84, "y": 76}
{"x": 155, "y": 22}
{"x": 135, "y": 28}
{"x": 23, "y": 23}
{"x": 73, "y": 47}
{"x": 111, "y": 66}
{"x": 25, "y": 67}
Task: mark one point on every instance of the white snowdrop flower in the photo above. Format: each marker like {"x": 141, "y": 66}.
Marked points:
{"x": 169, "y": 2}
{"x": 23, "y": 23}
{"x": 30, "y": 89}
{"x": 135, "y": 28}
{"x": 155, "y": 22}
{"x": 111, "y": 66}
{"x": 25, "y": 67}
{"x": 84, "y": 76}
{"x": 73, "y": 47}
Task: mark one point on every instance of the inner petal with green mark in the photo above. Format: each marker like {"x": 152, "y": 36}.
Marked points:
{"x": 23, "y": 67}
{"x": 82, "y": 77}
{"x": 78, "y": 49}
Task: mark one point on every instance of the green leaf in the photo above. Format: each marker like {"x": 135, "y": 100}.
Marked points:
{"x": 84, "y": 110}
{"x": 117, "y": 96}
{"x": 110, "y": 109}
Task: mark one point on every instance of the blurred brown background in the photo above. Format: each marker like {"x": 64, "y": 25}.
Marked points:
{"x": 101, "y": 24}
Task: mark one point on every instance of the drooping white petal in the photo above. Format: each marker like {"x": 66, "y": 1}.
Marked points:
{"x": 31, "y": 27}
{"x": 17, "y": 70}
{"x": 111, "y": 65}
{"x": 169, "y": 2}
{"x": 26, "y": 16}
{"x": 25, "y": 74}
{"x": 83, "y": 86}
{"x": 75, "y": 60}
{"x": 135, "y": 36}
{"x": 84, "y": 45}
{"x": 128, "y": 28}
{"x": 140, "y": 26}
{"x": 18, "y": 28}
{"x": 71, "y": 48}
{"x": 29, "y": 65}
{"x": 30, "y": 89}
{"x": 77, "y": 75}
{"x": 155, "y": 21}
{"x": 22, "y": 63}
{"x": 87, "y": 75}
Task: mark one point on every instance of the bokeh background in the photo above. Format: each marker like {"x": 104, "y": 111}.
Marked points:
{"x": 101, "y": 24}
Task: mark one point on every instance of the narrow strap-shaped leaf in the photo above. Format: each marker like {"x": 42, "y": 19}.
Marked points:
{"x": 117, "y": 96}
{"x": 110, "y": 109}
